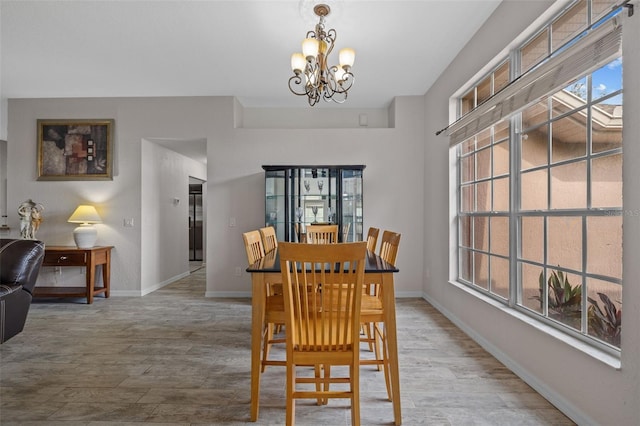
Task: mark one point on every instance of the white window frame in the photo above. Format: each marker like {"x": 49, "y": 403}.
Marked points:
{"x": 514, "y": 214}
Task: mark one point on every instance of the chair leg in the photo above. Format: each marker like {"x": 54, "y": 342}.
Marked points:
{"x": 327, "y": 382}
{"x": 377, "y": 345}
{"x": 317, "y": 369}
{"x": 266, "y": 346}
{"x": 385, "y": 359}
{"x": 367, "y": 330}
{"x": 355, "y": 393}
{"x": 290, "y": 417}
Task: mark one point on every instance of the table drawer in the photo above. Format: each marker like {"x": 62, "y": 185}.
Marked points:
{"x": 63, "y": 258}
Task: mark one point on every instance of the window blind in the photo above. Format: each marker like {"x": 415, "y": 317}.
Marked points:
{"x": 596, "y": 48}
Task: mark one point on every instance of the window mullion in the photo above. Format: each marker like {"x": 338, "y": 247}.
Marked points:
{"x": 515, "y": 293}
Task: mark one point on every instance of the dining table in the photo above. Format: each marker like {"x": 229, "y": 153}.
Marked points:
{"x": 377, "y": 271}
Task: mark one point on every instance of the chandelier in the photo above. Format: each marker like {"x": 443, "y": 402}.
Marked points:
{"x": 312, "y": 76}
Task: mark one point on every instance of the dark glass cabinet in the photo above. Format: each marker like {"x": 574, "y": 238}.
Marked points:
{"x": 296, "y": 196}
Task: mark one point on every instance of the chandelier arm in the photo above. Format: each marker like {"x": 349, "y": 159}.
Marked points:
{"x": 332, "y": 83}
{"x": 295, "y": 81}
{"x": 331, "y": 36}
{"x": 347, "y": 82}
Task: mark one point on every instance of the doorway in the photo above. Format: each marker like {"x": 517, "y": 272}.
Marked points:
{"x": 196, "y": 229}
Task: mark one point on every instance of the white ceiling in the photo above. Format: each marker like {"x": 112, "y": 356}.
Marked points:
{"x": 242, "y": 48}
{"x": 85, "y": 48}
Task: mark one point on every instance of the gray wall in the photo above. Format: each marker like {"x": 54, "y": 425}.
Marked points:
{"x": 586, "y": 385}
{"x": 393, "y": 179}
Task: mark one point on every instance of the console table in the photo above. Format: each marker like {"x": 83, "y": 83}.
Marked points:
{"x": 88, "y": 258}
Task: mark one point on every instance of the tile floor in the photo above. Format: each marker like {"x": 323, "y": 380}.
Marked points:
{"x": 174, "y": 357}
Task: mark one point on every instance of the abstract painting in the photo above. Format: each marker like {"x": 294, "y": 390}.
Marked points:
{"x": 75, "y": 149}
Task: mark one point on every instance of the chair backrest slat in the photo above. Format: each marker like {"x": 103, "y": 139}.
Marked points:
{"x": 322, "y": 234}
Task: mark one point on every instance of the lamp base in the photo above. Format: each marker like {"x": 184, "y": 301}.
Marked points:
{"x": 85, "y": 236}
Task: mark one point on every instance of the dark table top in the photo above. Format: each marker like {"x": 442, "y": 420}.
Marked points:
{"x": 271, "y": 263}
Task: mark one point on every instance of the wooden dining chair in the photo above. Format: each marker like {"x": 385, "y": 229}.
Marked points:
{"x": 270, "y": 242}
{"x": 389, "y": 246}
{"x": 322, "y": 234}
{"x": 274, "y": 309}
{"x": 322, "y": 320}
{"x": 253, "y": 245}
{"x": 372, "y": 239}
{"x": 372, "y": 242}
{"x": 269, "y": 239}
{"x": 372, "y": 313}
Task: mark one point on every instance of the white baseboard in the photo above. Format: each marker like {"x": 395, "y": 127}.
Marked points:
{"x": 158, "y": 286}
{"x": 124, "y": 293}
{"x": 408, "y": 294}
{"x": 228, "y": 294}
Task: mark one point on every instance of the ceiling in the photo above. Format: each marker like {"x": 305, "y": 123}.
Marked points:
{"x": 84, "y": 48}
{"x": 241, "y": 48}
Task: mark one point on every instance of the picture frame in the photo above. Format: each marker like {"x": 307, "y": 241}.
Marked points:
{"x": 79, "y": 149}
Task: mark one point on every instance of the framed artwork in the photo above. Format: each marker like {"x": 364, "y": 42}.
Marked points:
{"x": 75, "y": 149}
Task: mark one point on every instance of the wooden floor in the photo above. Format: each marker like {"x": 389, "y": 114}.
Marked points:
{"x": 174, "y": 357}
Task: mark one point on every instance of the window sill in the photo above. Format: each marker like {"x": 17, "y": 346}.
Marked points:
{"x": 598, "y": 354}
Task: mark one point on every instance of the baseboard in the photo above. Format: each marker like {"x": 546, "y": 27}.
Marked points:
{"x": 228, "y": 294}
{"x": 124, "y": 293}
{"x": 408, "y": 294}
{"x": 158, "y": 286}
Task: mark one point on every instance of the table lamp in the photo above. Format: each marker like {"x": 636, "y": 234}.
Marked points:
{"x": 85, "y": 235}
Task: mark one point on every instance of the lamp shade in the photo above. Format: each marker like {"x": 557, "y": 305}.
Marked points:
{"x": 298, "y": 62}
{"x": 85, "y": 214}
{"x": 85, "y": 235}
{"x": 310, "y": 48}
{"x": 346, "y": 57}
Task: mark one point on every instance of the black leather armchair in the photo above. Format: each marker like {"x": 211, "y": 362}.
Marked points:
{"x": 20, "y": 262}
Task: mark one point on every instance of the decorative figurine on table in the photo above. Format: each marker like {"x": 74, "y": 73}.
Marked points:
{"x": 30, "y": 219}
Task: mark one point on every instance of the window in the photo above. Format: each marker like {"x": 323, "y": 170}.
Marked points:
{"x": 488, "y": 87}
{"x": 540, "y": 191}
{"x": 484, "y": 210}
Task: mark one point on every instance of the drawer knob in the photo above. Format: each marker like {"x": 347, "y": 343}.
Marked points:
{"x": 62, "y": 258}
